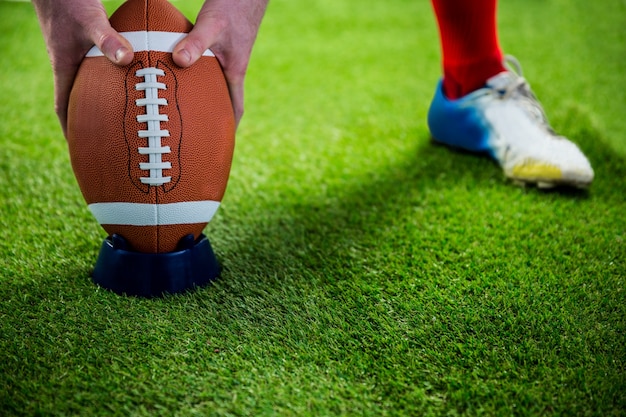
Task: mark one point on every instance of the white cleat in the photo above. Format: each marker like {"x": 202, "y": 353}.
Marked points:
{"x": 505, "y": 120}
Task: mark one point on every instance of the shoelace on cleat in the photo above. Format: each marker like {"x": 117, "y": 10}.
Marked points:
{"x": 517, "y": 88}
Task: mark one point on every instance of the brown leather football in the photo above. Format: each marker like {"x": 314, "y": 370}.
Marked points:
{"x": 151, "y": 143}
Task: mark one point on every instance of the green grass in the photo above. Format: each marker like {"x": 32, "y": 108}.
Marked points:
{"x": 366, "y": 271}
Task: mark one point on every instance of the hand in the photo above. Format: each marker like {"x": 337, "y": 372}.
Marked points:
{"x": 70, "y": 28}
{"x": 229, "y": 29}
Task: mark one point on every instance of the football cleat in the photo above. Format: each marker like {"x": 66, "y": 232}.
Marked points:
{"x": 505, "y": 120}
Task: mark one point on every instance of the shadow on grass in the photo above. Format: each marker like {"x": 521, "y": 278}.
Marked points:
{"x": 324, "y": 235}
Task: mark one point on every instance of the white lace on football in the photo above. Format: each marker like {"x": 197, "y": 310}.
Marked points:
{"x": 153, "y": 133}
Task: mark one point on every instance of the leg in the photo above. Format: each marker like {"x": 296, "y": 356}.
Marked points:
{"x": 469, "y": 44}
{"x": 481, "y": 106}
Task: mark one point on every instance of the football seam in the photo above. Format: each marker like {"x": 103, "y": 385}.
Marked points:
{"x": 175, "y": 182}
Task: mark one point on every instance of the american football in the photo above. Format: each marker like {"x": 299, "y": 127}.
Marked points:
{"x": 151, "y": 143}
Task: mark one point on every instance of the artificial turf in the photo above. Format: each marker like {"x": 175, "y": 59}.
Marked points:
{"x": 366, "y": 271}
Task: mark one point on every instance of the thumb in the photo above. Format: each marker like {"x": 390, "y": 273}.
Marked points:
{"x": 113, "y": 45}
{"x": 203, "y": 35}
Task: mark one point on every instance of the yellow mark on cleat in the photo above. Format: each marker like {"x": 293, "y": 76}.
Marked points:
{"x": 536, "y": 171}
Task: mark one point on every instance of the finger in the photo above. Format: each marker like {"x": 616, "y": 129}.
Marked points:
{"x": 236, "y": 96}
{"x": 63, "y": 85}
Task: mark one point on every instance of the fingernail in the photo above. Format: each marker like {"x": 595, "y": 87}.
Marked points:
{"x": 186, "y": 55}
{"x": 120, "y": 53}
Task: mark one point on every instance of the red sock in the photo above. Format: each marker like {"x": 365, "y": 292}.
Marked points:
{"x": 469, "y": 43}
